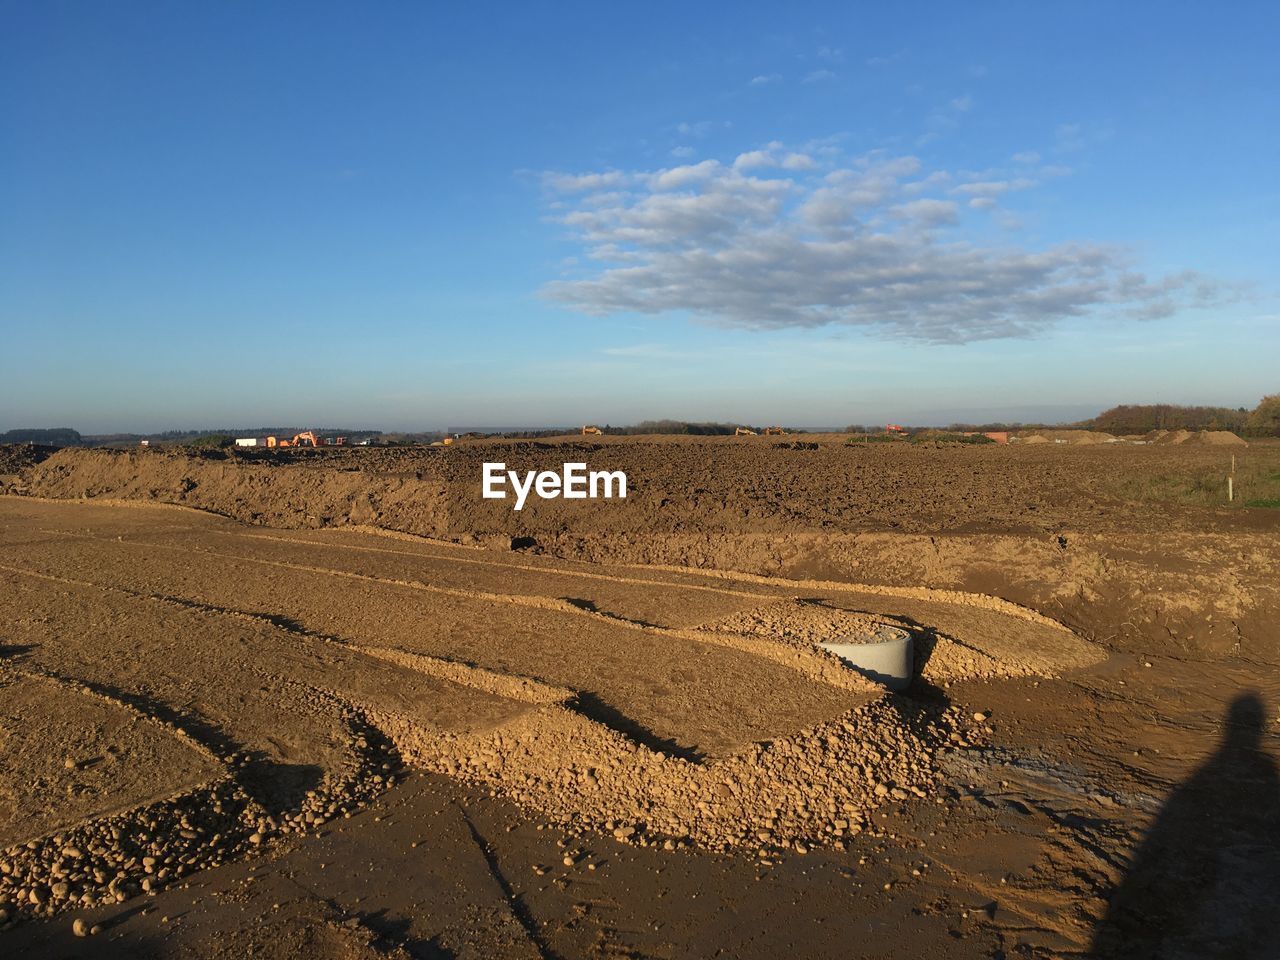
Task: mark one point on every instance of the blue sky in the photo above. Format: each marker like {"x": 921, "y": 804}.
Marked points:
{"x": 412, "y": 216}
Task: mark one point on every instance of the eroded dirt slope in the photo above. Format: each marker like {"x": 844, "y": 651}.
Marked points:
{"x": 1038, "y": 525}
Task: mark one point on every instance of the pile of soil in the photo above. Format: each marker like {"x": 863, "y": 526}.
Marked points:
{"x": 17, "y": 457}
{"x": 1078, "y": 437}
{"x": 1212, "y": 438}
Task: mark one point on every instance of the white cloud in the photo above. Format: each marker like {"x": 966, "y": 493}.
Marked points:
{"x": 753, "y": 158}
{"x": 817, "y": 76}
{"x": 849, "y": 242}
{"x": 678, "y": 177}
{"x": 798, "y": 161}
{"x": 765, "y": 79}
{"x": 990, "y": 189}
{"x": 683, "y": 153}
{"x": 576, "y": 183}
{"x": 928, "y": 211}
{"x": 962, "y": 104}
{"x": 774, "y": 155}
{"x": 1027, "y": 158}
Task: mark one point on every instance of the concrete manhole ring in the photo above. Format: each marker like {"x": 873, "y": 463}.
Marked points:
{"x": 882, "y": 653}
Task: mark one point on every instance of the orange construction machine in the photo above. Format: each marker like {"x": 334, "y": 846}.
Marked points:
{"x": 590, "y": 430}
{"x": 895, "y": 430}
{"x": 774, "y": 432}
{"x": 745, "y": 432}
{"x": 304, "y": 439}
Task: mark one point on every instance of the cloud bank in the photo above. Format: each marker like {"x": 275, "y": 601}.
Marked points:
{"x": 785, "y": 238}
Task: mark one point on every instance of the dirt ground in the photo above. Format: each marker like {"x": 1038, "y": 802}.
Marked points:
{"x": 348, "y": 709}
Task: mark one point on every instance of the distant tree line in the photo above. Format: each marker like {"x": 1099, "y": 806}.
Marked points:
{"x": 59, "y": 436}
{"x": 660, "y": 427}
{"x": 676, "y": 427}
{"x": 1142, "y": 418}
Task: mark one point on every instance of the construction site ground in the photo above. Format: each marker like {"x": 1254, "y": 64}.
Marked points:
{"x": 344, "y": 708}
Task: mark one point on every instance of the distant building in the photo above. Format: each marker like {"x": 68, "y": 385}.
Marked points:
{"x": 251, "y": 441}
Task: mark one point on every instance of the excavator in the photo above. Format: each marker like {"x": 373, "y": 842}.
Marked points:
{"x": 304, "y": 439}
{"x": 896, "y": 430}
{"x": 774, "y": 432}
{"x": 589, "y": 430}
{"x": 745, "y": 432}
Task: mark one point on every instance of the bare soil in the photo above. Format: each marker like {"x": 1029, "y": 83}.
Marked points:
{"x": 346, "y": 708}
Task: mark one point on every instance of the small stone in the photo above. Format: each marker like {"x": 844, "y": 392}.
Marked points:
{"x": 79, "y": 927}
{"x": 567, "y": 861}
{"x": 980, "y": 717}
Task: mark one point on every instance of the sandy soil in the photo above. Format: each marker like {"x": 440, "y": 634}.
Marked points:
{"x": 1042, "y": 526}
{"x": 220, "y": 737}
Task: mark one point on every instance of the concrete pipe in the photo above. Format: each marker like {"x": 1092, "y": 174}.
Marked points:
{"x": 883, "y": 655}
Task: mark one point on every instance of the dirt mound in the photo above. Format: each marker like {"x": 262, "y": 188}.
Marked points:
{"x": 1218, "y": 438}
{"x": 1209, "y": 438}
{"x": 17, "y": 457}
{"x": 1077, "y": 437}
{"x": 1169, "y": 437}
{"x": 710, "y": 486}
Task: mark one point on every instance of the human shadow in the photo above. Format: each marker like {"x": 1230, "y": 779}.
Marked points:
{"x": 1205, "y": 882}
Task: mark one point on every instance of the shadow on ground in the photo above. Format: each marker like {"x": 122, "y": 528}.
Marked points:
{"x": 1205, "y": 882}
